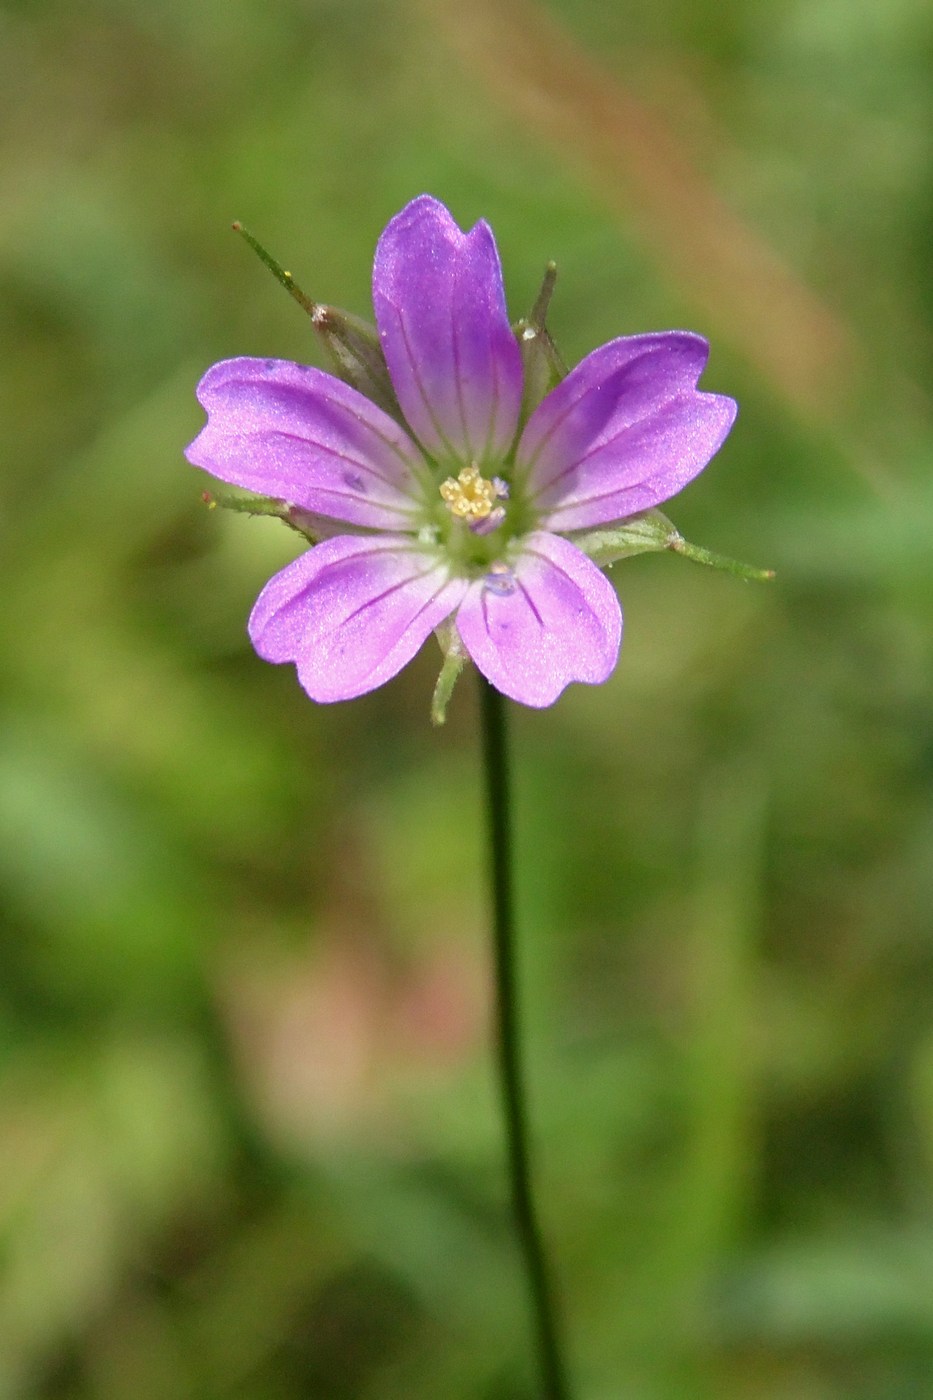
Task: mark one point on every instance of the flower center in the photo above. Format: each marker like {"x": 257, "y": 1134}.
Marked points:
{"x": 472, "y": 498}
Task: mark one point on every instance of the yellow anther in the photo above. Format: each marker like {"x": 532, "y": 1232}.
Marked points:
{"x": 469, "y": 496}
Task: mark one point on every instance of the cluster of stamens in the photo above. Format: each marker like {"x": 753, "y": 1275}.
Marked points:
{"x": 471, "y": 497}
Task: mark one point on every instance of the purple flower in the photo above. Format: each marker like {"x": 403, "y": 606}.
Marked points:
{"x": 463, "y": 513}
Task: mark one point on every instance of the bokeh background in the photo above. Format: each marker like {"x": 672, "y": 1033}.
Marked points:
{"x": 249, "y": 1147}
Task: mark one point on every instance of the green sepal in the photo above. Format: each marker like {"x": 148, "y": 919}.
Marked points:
{"x": 650, "y": 532}
{"x": 712, "y": 560}
{"x": 351, "y": 344}
{"x": 542, "y": 362}
{"x": 454, "y": 660}
{"x": 356, "y": 355}
{"x": 640, "y": 534}
{"x": 292, "y": 516}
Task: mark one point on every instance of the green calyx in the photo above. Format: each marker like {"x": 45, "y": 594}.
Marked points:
{"x": 292, "y": 516}
{"x": 650, "y": 532}
{"x": 542, "y": 363}
{"x": 351, "y": 344}
{"x": 455, "y": 658}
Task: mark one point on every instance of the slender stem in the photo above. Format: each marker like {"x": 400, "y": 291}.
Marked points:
{"x": 508, "y": 1046}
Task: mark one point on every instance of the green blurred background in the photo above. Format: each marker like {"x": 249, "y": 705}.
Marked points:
{"x": 249, "y": 1146}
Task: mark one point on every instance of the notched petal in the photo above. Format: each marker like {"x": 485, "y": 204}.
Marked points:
{"x": 440, "y": 309}
{"x": 550, "y": 619}
{"x": 352, "y": 612}
{"x": 626, "y": 430}
{"x": 302, "y": 436}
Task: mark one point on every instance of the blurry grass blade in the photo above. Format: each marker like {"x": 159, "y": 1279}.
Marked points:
{"x": 632, "y": 155}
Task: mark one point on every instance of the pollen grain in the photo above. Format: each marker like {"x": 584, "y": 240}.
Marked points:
{"x": 470, "y": 496}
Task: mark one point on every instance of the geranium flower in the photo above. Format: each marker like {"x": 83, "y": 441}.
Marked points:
{"x": 455, "y": 511}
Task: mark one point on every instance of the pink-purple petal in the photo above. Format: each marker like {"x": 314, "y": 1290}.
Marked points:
{"x": 440, "y": 308}
{"x": 659, "y": 457}
{"x": 301, "y": 435}
{"x": 553, "y": 620}
{"x": 352, "y": 611}
{"x": 624, "y": 431}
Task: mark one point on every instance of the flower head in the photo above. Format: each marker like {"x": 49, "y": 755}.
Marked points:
{"x": 462, "y": 509}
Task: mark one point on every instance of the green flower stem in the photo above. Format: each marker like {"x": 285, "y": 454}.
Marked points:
{"x": 553, "y": 1374}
